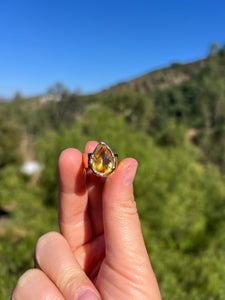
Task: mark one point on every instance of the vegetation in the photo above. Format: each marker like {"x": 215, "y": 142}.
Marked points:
{"x": 179, "y": 187}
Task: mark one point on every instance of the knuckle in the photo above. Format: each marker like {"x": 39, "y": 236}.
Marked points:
{"x": 70, "y": 278}
{"x": 129, "y": 207}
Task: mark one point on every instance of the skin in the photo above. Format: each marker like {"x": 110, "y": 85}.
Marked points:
{"x": 100, "y": 252}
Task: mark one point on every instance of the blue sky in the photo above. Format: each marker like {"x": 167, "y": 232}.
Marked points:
{"x": 91, "y": 45}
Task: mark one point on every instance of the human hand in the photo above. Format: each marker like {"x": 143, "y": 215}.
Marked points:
{"x": 100, "y": 253}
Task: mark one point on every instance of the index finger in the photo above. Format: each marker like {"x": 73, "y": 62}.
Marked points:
{"x": 74, "y": 221}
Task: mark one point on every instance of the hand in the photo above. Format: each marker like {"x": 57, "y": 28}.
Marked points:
{"x": 100, "y": 253}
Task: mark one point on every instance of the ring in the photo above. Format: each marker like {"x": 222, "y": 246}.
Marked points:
{"x": 102, "y": 161}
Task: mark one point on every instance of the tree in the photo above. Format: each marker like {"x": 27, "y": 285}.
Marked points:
{"x": 58, "y": 89}
{"x": 214, "y": 49}
{"x": 18, "y": 97}
{"x": 135, "y": 107}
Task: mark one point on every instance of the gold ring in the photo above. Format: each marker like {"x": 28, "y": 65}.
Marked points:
{"x": 102, "y": 161}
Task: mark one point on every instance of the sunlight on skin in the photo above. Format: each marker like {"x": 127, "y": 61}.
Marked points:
{"x": 101, "y": 249}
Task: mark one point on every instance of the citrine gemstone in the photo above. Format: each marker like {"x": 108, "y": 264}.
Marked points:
{"x": 102, "y": 161}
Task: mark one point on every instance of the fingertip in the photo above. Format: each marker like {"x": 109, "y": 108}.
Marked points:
{"x": 34, "y": 284}
{"x": 26, "y": 277}
{"x": 128, "y": 162}
{"x": 121, "y": 183}
{"x": 125, "y": 173}
{"x": 69, "y": 157}
{"x": 129, "y": 170}
{"x": 90, "y": 146}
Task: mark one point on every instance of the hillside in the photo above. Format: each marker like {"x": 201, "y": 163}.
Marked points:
{"x": 179, "y": 187}
{"x": 159, "y": 79}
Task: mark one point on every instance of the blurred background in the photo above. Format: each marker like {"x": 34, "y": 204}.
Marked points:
{"x": 149, "y": 80}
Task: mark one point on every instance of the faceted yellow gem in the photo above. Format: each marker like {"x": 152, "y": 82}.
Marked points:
{"x": 102, "y": 160}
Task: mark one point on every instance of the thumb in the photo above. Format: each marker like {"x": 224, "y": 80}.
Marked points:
{"x": 126, "y": 254}
{"x": 123, "y": 236}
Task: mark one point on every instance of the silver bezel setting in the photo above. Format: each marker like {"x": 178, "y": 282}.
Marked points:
{"x": 90, "y": 160}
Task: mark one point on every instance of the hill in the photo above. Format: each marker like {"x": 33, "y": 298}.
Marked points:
{"x": 179, "y": 187}
{"x": 159, "y": 79}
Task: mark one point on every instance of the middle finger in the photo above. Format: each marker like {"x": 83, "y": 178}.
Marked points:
{"x": 95, "y": 186}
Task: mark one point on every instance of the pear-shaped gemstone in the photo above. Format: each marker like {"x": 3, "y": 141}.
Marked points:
{"x": 102, "y": 161}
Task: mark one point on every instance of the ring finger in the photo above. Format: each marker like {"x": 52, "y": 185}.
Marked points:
{"x": 55, "y": 258}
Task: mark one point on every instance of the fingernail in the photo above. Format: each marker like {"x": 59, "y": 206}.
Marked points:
{"x": 87, "y": 295}
{"x": 130, "y": 174}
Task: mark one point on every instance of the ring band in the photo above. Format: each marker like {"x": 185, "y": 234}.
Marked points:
{"x": 102, "y": 161}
